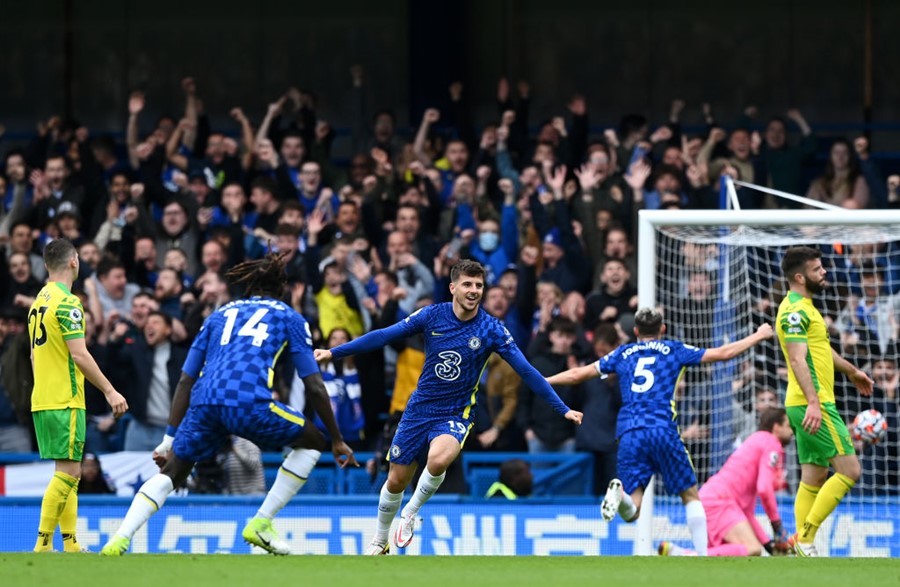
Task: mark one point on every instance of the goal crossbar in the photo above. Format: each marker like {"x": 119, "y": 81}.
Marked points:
{"x": 648, "y": 220}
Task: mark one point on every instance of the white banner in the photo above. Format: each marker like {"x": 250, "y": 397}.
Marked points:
{"x": 126, "y": 470}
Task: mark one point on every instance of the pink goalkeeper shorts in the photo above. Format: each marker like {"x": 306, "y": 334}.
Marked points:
{"x": 721, "y": 516}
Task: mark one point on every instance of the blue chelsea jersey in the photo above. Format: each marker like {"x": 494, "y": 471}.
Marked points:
{"x": 456, "y": 353}
{"x": 648, "y": 374}
{"x": 235, "y": 352}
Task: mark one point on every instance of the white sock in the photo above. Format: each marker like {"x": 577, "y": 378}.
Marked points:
{"x": 388, "y": 504}
{"x": 675, "y": 550}
{"x": 696, "y": 521}
{"x": 292, "y": 475}
{"x": 147, "y": 501}
{"x": 627, "y": 509}
{"x": 428, "y": 484}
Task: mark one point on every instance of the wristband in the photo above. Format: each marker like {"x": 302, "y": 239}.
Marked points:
{"x": 170, "y": 430}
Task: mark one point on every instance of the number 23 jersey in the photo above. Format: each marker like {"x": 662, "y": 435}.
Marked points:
{"x": 649, "y": 373}
{"x": 55, "y": 317}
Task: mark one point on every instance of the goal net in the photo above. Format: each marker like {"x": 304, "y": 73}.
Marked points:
{"x": 716, "y": 275}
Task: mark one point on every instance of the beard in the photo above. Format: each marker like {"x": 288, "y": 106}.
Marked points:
{"x": 816, "y": 287}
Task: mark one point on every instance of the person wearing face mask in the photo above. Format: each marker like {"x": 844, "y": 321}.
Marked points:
{"x": 494, "y": 249}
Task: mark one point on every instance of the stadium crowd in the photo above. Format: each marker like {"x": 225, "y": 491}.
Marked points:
{"x": 548, "y": 207}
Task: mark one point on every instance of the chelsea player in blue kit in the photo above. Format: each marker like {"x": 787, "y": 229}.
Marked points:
{"x": 226, "y": 388}
{"x": 649, "y": 442}
{"x": 459, "y": 339}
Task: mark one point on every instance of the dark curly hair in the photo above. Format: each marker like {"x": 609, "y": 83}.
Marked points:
{"x": 261, "y": 277}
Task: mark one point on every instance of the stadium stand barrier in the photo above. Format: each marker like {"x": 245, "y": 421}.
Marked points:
{"x": 555, "y": 474}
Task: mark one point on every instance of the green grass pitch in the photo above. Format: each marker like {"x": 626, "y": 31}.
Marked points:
{"x": 90, "y": 570}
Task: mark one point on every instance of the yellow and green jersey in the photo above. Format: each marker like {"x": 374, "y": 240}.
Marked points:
{"x": 799, "y": 321}
{"x": 56, "y": 316}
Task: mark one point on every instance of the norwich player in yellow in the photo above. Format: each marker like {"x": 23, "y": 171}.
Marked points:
{"x": 61, "y": 361}
{"x": 822, "y": 436}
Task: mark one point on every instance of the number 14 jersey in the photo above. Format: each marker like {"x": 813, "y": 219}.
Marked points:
{"x": 235, "y": 352}
{"x": 648, "y": 373}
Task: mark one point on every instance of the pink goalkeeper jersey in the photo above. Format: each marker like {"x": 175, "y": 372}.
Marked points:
{"x": 755, "y": 468}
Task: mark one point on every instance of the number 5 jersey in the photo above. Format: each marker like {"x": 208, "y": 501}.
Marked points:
{"x": 649, "y": 372}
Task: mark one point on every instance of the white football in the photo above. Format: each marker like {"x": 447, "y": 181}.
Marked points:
{"x": 869, "y": 426}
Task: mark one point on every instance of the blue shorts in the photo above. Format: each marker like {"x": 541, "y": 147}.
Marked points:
{"x": 644, "y": 452}
{"x": 269, "y": 425}
{"x": 414, "y": 435}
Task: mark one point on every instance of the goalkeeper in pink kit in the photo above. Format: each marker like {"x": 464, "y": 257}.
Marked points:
{"x": 756, "y": 469}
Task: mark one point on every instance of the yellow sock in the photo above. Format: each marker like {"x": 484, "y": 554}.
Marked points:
{"x": 52, "y": 506}
{"x": 68, "y": 520}
{"x": 803, "y": 502}
{"x": 829, "y": 496}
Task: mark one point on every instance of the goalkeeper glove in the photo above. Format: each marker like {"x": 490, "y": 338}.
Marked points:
{"x": 779, "y": 531}
{"x": 780, "y": 541}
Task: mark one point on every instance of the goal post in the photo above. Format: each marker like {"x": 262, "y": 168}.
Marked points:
{"x": 716, "y": 275}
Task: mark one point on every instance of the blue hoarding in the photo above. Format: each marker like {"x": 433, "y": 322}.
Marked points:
{"x": 450, "y": 527}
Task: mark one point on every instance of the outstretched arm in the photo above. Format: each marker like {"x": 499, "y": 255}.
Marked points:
{"x": 273, "y": 111}
{"x": 135, "y": 105}
{"x": 246, "y": 137}
{"x": 370, "y": 341}
{"x": 191, "y": 112}
{"x": 172, "y": 154}
{"x": 533, "y": 379}
{"x": 575, "y": 376}
{"x": 733, "y": 349}
{"x": 798, "y": 118}
{"x": 18, "y": 210}
{"x": 431, "y": 116}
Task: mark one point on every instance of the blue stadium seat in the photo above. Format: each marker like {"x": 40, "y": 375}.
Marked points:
{"x": 554, "y": 473}
{"x": 323, "y": 481}
{"x": 480, "y": 480}
{"x": 359, "y": 482}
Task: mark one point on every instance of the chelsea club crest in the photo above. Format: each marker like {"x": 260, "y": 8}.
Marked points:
{"x": 474, "y": 343}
